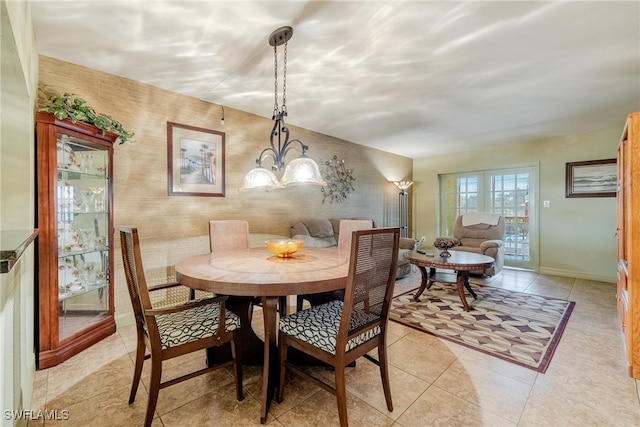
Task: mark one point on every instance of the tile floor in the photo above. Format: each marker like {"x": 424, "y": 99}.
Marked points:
{"x": 433, "y": 382}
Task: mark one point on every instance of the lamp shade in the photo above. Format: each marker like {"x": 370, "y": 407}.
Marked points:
{"x": 302, "y": 170}
{"x": 260, "y": 178}
{"x": 403, "y": 185}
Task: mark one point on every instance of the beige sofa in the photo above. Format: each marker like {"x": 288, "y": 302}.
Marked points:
{"x": 325, "y": 233}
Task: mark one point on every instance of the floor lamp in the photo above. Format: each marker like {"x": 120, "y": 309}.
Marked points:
{"x": 403, "y": 211}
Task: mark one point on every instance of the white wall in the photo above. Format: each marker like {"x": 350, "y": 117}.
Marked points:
{"x": 18, "y": 83}
{"x": 577, "y": 235}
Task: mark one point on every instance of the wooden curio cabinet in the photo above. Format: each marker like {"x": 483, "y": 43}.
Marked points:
{"x": 75, "y": 247}
{"x": 628, "y": 289}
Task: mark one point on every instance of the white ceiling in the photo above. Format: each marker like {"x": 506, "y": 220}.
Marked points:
{"x": 416, "y": 78}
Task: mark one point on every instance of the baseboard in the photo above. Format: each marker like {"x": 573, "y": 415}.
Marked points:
{"x": 578, "y": 274}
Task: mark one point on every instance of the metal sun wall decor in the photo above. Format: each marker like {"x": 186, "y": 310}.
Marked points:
{"x": 339, "y": 180}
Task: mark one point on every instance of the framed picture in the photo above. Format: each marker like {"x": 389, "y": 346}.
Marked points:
{"x": 593, "y": 178}
{"x": 195, "y": 161}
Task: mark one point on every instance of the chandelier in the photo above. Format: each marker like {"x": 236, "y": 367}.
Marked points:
{"x": 301, "y": 170}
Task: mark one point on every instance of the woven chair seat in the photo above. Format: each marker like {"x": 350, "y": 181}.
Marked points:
{"x": 319, "y": 326}
{"x": 191, "y": 325}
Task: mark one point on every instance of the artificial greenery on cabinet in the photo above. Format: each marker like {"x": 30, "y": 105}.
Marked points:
{"x": 76, "y": 109}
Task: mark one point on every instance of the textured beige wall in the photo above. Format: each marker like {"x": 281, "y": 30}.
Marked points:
{"x": 140, "y": 168}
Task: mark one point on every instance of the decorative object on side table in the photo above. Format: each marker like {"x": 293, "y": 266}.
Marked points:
{"x": 444, "y": 244}
{"x": 339, "y": 180}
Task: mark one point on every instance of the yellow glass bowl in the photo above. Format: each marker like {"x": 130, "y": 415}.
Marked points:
{"x": 284, "y": 248}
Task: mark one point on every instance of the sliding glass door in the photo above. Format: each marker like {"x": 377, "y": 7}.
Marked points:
{"x": 508, "y": 192}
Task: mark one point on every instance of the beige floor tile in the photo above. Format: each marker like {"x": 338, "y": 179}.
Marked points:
{"x": 558, "y": 281}
{"x": 129, "y": 337}
{"x": 512, "y": 285}
{"x": 595, "y": 318}
{"x": 423, "y": 362}
{"x": 218, "y": 407}
{"x": 582, "y": 350}
{"x": 487, "y": 389}
{"x": 423, "y": 339}
{"x": 70, "y": 384}
{"x": 107, "y": 409}
{"x": 548, "y": 290}
{"x": 486, "y": 362}
{"x": 182, "y": 393}
{"x": 39, "y": 394}
{"x": 252, "y": 380}
{"x": 586, "y": 383}
{"x": 296, "y": 391}
{"x": 436, "y": 407}
{"x": 578, "y": 404}
{"x": 365, "y": 383}
{"x": 321, "y": 410}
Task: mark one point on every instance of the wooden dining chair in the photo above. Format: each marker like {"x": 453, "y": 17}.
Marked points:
{"x": 347, "y": 227}
{"x": 173, "y": 331}
{"x": 339, "y": 332}
{"x": 227, "y": 234}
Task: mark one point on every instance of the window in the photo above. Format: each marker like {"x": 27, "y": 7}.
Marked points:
{"x": 508, "y": 192}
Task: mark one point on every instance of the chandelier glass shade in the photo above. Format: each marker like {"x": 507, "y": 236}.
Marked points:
{"x": 301, "y": 170}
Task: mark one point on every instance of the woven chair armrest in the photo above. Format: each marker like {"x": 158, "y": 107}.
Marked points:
{"x": 164, "y": 286}
{"x": 189, "y": 305}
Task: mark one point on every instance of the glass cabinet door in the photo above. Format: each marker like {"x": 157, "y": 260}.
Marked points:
{"x": 81, "y": 197}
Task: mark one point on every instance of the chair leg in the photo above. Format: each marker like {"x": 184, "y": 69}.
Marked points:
{"x": 283, "y": 310}
{"x": 341, "y": 395}
{"x": 384, "y": 373}
{"x": 283, "y": 367}
{"x": 137, "y": 370}
{"x": 154, "y": 388}
{"x": 237, "y": 357}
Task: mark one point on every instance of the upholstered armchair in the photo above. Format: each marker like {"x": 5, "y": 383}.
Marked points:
{"x": 481, "y": 233}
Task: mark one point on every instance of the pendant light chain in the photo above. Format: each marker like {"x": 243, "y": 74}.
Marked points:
{"x": 276, "y": 108}
{"x": 284, "y": 82}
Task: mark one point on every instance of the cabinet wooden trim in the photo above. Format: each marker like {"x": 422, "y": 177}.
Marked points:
{"x": 628, "y": 286}
{"x": 53, "y": 349}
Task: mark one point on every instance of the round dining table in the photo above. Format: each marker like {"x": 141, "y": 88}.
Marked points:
{"x": 245, "y": 274}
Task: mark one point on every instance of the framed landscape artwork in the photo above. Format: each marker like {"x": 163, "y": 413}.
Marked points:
{"x": 195, "y": 161}
{"x": 593, "y": 178}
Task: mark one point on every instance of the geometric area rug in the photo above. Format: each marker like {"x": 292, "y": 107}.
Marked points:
{"x": 521, "y": 328}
